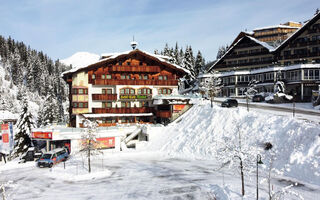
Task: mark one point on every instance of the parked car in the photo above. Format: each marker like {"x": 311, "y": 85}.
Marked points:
{"x": 52, "y": 157}
{"x": 257, "y": 98}
{"x": 229, "y": 103}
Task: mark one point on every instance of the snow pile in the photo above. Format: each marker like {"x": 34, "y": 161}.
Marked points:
{"x": 81, "y": 59}
{"x": 199, "y": 132}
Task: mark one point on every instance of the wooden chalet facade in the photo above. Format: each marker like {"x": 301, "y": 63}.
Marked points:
{"x": 120, "y": 88}
{"x": 297, "y": 59}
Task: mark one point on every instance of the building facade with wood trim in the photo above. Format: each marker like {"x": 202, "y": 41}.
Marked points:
{"x": 296, "y": 61}
{"x": 120, "y": 88}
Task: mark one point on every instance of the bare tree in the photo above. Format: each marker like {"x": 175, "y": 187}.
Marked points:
{"x": 236, "y": 151}
{"x": 89, "y": 140}
{"x": 211, "y": 87}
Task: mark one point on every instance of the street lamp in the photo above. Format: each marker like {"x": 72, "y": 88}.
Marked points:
{"x": 258, "y": 162}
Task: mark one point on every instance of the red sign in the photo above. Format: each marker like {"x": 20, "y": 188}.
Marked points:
{"x": 4, "y": 126}
{"x": 42, "y": 135}
{"x": 107, "y": 142}
{"x": 5, "y": 137}
{"x": 177, "y": 108}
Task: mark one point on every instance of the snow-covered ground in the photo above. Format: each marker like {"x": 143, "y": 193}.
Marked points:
{"x": 180, "y": 162}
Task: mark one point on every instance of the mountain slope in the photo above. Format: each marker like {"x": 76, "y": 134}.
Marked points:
{"x": 81, "y": 59}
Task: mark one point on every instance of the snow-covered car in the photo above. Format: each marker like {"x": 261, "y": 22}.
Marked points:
{"x": 229, "y": 103}
{"x": 52, "y": 157}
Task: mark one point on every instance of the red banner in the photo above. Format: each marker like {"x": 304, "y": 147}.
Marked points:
{"x": 42, "y": 135}
{"x": 177, "y": 108}
{"x": 4, "y": 126}
{"x": 5, "y": 137}
{"x": 107, "y": 142}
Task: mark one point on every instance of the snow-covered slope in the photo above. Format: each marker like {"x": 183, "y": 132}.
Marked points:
{"x": 199, "y": 132}
{"x": 81, "y": 59}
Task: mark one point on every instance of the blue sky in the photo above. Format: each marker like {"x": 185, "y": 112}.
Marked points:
{"x": 61, "y": 28}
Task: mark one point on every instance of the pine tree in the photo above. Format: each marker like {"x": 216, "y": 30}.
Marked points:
{"x": 49, "y": 111}
{"x": 188, "y": 61}
{"x": 199, "y": 64}
{"x": 24, "y": 125}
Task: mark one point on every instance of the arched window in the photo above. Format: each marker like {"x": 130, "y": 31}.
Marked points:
{"x": 144, "y": 91}
{"x": 127, "y": 91}
{"x": 165, "y": 91}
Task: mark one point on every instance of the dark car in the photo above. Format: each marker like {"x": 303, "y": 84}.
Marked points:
{"x": 229, "y": 103}
{"x": 257, "y": 98}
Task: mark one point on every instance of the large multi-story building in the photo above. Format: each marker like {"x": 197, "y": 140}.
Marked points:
{"x": 130, "y": 87}
{"x": 296, "y": 61}
{"x": 276, "y": 33}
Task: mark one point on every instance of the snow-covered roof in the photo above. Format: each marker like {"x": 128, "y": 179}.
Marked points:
{"x": 6, "y": 115}
{"x": 264, "y": 44}
{"x": 273, "y": 27}
{"x": 270, "y": 69}
{"x": 106, "y": 57}
{"x": 117, "y": 115}
{"x": 205, "y": 75}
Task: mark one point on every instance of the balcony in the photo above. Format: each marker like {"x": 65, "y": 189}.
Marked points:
{"x": 122, "y": 110}
{"x": 163, "y": 113}
{"x": 104, "y": 97}
{"x": 118, "y": 68}
{"x": 134, "y": 82}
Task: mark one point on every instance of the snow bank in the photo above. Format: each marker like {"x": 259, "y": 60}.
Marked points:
{"x": 198, "y": 132}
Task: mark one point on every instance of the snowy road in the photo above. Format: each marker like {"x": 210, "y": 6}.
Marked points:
{"x": 279, "y": 109}
{"x": 138, "y": 176}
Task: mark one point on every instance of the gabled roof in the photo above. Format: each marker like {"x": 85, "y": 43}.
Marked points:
{"x": 263, "y": 44}
{"x": 298, "y": 32}
{"x": 106, "y": 58}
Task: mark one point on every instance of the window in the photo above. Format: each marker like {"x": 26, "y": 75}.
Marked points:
{"x": 108, "y": 76}
{"x": 74, "y": 91}
{"x": 127, "y": 91}
{"x": 107, "y": 105}
{"x": 120, "y": 63}
{"x": 106, "y": 91}
{"x": 311, "y": 74}
{"x": 140, "y": 63}
{"x": 123, "y": 76}
{"x": 103, "y": 76}
{"x": 93, "y": 76}
{"x": 160, "y": 78}
{"x": 80, "y": 104}
{"x": 165, "y": 78}
{"x": 144, "y": 91}
{"x": 145, "y": 77}
{"x": 128, "y": 63}
{"x": 165, "y": 91}
{"x": 80, "y": 91}
{"x": 125, "y": 104}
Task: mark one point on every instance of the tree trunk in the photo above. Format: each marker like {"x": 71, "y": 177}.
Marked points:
{"x": 89, "y": 164}
{"x": 211, "y": 101}
{"x": 242, "y": 177}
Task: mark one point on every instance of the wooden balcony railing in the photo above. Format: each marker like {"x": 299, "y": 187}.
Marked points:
{"x": 122, "y": 110}
{"x": 134, "y": 82}
{"x": 118, "y": 68}
{"x": 163, "y": 113}
{"x": 104, "y": 97}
